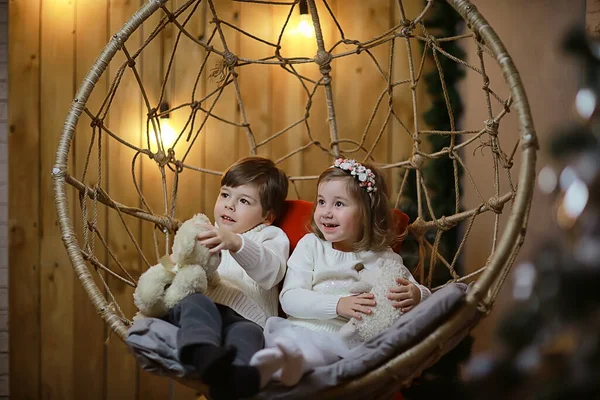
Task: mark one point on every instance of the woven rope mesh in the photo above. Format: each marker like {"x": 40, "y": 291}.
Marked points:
{"x": 210, "y": 66}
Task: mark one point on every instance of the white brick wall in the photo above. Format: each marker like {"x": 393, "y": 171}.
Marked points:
{"x": 4, "y": 385}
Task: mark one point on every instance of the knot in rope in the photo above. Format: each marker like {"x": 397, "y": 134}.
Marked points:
{"x": 92, "y": 228}
{"x": 417, "y": 161}
{"x": 169, "y": 224}
{"x": 84, "y": 255}
{"x": 282, "y": 60}
{"x": 491, "y": 127}
{"x": 161, "y": 158}
{"x": 433, "y": 41}
{"x": 96, "y": 122}
{"x": 451, "y": 152}
{"x": 495, "y": 205}
{"x": 418, "y": 227}
{"x": 58, "y": 172}
{"x": 178, "y": 163}
{"x": 406, "y": 31}
{"x": 444, "y": 224}
{"x": 230, "y": 59}
{"x": 323, "y": 60}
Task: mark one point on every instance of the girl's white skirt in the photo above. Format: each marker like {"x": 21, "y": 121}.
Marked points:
{"x": 318, "y": 348}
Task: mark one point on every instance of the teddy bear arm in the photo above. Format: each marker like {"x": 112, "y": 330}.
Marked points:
{"x": 189, "y": 280}
{"x": 149, "y": 293}
{"x": 360, "y": 287}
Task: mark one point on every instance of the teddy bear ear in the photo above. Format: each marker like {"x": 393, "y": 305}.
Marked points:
{"x": 201, "y": 218}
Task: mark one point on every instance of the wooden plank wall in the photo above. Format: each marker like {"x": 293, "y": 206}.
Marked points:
{"x": 88, "y": 350}
{"x": 60, "y": 347}
{"x": 25, "y": 230}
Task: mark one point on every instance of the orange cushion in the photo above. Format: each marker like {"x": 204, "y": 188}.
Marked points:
{"x": 400, "y": 225}
{"x": 295, "y": 220}
{"x": 296, "y": 216}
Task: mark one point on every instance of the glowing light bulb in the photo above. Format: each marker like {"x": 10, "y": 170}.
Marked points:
{"x": 168, "y": 135}
{"x": 305, "y": 26}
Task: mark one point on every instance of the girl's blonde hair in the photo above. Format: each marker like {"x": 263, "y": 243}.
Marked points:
{"x": 377, "y": 233}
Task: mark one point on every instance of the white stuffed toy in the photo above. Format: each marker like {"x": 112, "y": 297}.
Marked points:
{"x": 190, "y": 269}
{"x": 383, "y": 278}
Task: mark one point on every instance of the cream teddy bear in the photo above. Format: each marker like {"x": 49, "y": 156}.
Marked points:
{"x": 378, "y": 281}
{"x": 190, "y": 269}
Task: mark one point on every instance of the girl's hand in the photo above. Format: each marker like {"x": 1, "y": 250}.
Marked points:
{"x": 405, "y": 296}
{"x": 219, "y": 239}
{"x": 351, "y": 306}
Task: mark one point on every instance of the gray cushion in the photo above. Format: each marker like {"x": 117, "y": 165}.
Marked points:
{"x": 408, "y": 330}
{"x": 154, "y": 344}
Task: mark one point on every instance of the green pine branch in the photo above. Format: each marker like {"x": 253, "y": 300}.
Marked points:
{"x": 439, "y": 173}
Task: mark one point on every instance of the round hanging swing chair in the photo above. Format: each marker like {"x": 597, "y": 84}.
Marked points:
{"x": 90, "y": 124}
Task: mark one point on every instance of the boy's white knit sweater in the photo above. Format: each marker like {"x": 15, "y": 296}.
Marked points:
{"x": 249, "y": 277}
{"x": 319, "y": 275}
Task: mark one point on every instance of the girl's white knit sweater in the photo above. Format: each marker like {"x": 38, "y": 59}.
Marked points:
{"x": 319, "y": 275}
{"x": 249, "y": 277}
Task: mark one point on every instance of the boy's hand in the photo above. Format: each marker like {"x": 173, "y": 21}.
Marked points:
{"x": 219, "y": 239}
{"x": 351, "y": 306}
{"x": 405, "y": 296}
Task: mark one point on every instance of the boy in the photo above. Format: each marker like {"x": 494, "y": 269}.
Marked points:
{"x": 220, "y": 331}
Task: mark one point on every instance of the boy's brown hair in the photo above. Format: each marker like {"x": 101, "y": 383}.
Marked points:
{"x": 378, "y": 231}
{"x": 271, "y": 182}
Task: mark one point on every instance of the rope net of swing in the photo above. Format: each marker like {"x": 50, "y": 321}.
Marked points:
{"x": 202, "y": 63}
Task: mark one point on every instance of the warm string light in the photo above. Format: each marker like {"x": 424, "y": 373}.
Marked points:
{"x": 305, "y": 25}
{"x": 168, "y": 134}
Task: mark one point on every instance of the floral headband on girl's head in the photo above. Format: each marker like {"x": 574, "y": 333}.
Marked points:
{"x": 365, "y": 177}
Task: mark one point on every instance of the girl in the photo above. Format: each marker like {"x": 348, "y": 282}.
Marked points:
{"x": 351, "y": 224}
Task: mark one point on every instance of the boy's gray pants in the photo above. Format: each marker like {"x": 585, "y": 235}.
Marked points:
{"x": 202, "y": 322}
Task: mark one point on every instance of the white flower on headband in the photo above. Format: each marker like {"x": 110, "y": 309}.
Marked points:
{"x": 365, "y": 177}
